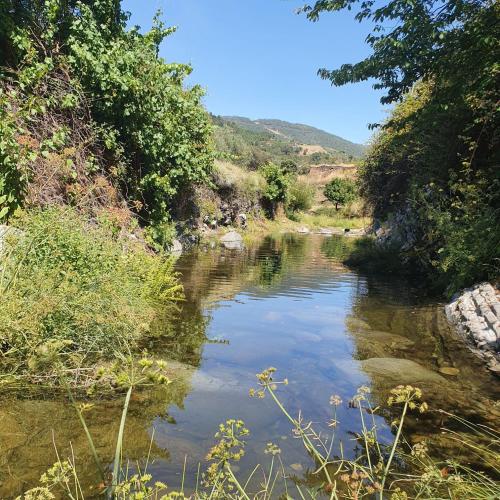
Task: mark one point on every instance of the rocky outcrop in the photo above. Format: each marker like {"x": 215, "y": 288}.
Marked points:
{"x": 475, "y": 313}
{"x": 397, "y": 231}
{"x": 176, "y": 248}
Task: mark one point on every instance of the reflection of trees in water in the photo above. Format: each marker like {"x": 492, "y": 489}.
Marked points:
{"x": 29, "y": 428}
{"x": 337, "y": 247}
{"x": 280, "y": 256}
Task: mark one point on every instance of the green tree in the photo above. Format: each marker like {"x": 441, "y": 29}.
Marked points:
{"x": 418, "y": 40}
{"x": 155, "y": 132}
{"x": 432, "y": 169}
{"x": 340, "y": 191}
{"x": 278, "y": 185}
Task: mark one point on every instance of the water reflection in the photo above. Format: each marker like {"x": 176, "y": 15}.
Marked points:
{"x": 286, "y": 302}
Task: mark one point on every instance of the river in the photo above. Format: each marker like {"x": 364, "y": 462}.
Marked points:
{"x": 285, "y": 301}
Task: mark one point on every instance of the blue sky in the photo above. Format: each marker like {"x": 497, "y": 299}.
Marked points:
{"x": 258, "y": 58}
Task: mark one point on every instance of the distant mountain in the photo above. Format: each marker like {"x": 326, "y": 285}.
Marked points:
{"x": 299, "y": 134}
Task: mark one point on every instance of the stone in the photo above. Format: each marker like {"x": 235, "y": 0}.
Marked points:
{"x": 475, "y": 315}
{"x": 449, "y": 370}
{"x": 303, "y": 230}
{"x": 242, "y": 219}
{"x": 176, "y": 248}
{"x": 232, "y": 241}
{"x": 396, "y": 371}
{"x": 490, "y": 318}
{"x": 496, "y": 309}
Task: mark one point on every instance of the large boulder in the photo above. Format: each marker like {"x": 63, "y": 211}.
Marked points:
{"x": 232, "y": 241}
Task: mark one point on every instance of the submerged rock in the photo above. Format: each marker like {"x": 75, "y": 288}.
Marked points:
{"x": 395, "y": 371}
{"x": 232, "y": 241}
{"x": 449, "y": 370}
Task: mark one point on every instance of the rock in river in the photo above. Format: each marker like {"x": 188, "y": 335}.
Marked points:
{"x": 232, "y": 241}
{"x": 395, "y": 371}
{"x": 176, "y": 248}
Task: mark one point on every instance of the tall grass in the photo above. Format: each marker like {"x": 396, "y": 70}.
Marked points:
{"x": 72, "y": 292}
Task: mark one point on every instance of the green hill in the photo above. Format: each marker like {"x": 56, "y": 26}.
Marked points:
{"x": 300, "y": 134}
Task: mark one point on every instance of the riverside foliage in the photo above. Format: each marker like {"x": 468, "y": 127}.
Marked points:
{"x": 398, "y": 470}
{"x": 153, "y": 133}
{"x": 72, "y": 293}
{"x": 435, "y": 160}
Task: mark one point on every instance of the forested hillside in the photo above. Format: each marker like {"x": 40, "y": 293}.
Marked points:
{"x": 253, "y": 142}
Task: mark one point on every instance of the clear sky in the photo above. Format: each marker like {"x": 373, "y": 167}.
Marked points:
{"x": 258, "y": 58}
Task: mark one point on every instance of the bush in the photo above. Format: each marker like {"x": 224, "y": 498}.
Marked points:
{"x": 70, "y": 291}
{"x": 300, "y": 196}
{"x": 340, "y": 191}
{"x": 433, "y": 168}
{"x": 155, "y": 134}
{"x": 278, "y": 184}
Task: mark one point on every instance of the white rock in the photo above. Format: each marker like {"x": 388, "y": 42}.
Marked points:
{"x": 176, "y": 248}
{"x": 232, "y": 240}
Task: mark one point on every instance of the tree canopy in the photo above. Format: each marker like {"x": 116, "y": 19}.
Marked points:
{"x": 340, "y": 191}
{"x": 154, "y": 134}
{"x": 418, "y": 40}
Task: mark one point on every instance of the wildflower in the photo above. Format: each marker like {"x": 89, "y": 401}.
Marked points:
{"x": 85, "y": 406}
{"x": 335, "y": 400}
{"x": 399, "y": 495}
{"x": 419, "y": 450}
{"x": 272, "y": 449}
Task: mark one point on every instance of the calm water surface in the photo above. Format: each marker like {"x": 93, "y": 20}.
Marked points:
{"x": 286, "y": 302}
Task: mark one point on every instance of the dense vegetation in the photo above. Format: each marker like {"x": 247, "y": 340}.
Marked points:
{"x": 83, "y": 95}
{"x": 74, "y": 295}
{"x": 433, "y": 170}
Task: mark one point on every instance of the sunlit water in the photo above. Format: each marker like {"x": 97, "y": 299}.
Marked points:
{"x": 286, "y": 302}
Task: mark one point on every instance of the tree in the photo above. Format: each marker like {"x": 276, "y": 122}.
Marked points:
{"x": 155, "y": 133}
{"x": 435, "y": 160}
{"x": 278, "y": 184}
{"x": 418, "y": 40}
{"x": 340, "y": 191}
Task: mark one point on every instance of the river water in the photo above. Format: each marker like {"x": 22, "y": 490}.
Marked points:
{"x": 287, "y": 302}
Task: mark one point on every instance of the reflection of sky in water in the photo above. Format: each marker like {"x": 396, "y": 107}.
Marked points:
{"x": 296, "y": 324}
{"x": 294, "y": 320}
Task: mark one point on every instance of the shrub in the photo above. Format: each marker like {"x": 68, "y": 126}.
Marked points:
{"x": 278, "y": 183}
{"x": 435, "y": 163}
{"x": 340, "y": 191}
{"x": 154, "y": 132}
{"x": 70, "y": 291}
{"x": 300, "y": 196}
